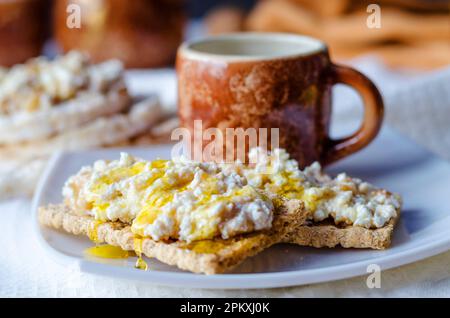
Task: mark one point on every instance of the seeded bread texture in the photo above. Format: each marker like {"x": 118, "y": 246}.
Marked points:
{"x": 207, "y": 257}
{"x": 326, "y": 234}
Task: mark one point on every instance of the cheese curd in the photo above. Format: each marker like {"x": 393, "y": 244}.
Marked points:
{"x": 178, "y": 199}
{"x": 190, "y": 201}
{"x": 346, "y": 200}
{"x": 41, "y": 84}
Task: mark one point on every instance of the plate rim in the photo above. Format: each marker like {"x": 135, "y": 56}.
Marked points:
{"x": 222, "y": 281}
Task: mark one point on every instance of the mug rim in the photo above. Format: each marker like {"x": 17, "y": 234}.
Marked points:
{"x": 187, "y": 49}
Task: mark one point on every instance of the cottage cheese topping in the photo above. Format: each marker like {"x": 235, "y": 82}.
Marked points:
{"x": 177, "y": 199}
{"x": 189, "y": 201}
{"x": 346, "y": 200}
{"x": 41, "y": 84}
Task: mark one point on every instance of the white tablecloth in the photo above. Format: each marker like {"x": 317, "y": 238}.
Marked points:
{"x": 25, "y": 270}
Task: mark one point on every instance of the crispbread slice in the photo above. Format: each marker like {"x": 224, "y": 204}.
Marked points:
{"x": 69, "y": 115}
{"x": 103, "y": 131}
{"x": 327, "y": 234}
{"x": 207, "y": 256}
{"x": 22, "y": 164}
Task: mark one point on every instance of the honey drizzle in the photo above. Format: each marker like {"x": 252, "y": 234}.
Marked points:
{"x": 107, "y": 251}
{"x": 140, "y": 263}
{"x": 93, "y": 232}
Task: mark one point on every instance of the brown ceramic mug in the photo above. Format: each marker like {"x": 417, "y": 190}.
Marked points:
{"x": 273, "y": 80}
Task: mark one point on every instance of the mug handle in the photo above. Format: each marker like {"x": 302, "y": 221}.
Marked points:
{"x": 336, "y": 149}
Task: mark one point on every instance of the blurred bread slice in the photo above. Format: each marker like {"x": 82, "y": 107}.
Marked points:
{"x": 225, "y": 20}
{"x": 27, "y": 127}
{"x": 406, "y": 38}
{"x": 396, "y": 26}
{"x": 104, "y": 131}
{"x": 420, "y": 56}
{"x": 331, "y": 8}
{"x": 283, "y": 16}
{"x": 24, "y": 163}
{"x": 413, "y": 5}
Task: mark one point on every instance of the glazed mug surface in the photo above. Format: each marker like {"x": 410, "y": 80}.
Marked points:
{"x": 273, "y": 80}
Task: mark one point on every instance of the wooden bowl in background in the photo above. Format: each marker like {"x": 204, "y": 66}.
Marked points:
{"x": 141, "y": 33}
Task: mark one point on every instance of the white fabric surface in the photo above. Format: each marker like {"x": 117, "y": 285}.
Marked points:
{"x": 25, "y": 270}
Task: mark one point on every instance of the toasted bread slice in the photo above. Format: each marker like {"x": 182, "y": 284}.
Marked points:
{"x": 207, "y": 256}
{"x": 327, "y": 234}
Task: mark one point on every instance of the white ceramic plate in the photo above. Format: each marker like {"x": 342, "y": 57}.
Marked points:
{"x": 391, "y": 162}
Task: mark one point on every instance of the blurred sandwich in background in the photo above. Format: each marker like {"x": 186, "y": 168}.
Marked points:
{"x": 68, "y": 104}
